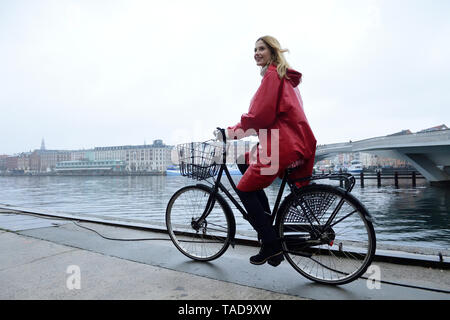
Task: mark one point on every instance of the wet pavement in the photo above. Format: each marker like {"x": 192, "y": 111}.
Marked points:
{"x": 58, "y": 259}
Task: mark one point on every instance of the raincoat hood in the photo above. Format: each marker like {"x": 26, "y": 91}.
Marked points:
{"x": 294, "y": 77}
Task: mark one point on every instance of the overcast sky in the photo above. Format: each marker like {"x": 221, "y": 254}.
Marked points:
{"x": 92, "y": 73}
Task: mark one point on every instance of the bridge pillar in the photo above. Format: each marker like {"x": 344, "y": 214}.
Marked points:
{"x": 428, "y": 152}
{"x": 428, "y": 168}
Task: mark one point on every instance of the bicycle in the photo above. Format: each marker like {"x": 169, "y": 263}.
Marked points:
{"x": 327, "y": 234}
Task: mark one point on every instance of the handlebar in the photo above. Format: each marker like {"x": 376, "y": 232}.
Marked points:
{"x": 224, "y": 136}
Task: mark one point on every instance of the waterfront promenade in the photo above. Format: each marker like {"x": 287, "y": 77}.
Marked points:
{"x": 49, "y": 258}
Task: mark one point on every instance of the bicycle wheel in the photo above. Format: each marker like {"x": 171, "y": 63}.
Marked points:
{"x": 205, "y": 240}
{"x": 334, "y": 254}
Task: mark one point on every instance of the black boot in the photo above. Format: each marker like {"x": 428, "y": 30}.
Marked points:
{"x": 275, "y": 261}
{"x": 268, "y": 251}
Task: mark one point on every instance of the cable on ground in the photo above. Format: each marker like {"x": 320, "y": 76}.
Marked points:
{"x": 153, "y": 239}
{"x": 118, "y": 239}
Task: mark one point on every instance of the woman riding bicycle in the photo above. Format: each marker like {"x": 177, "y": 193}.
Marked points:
{"x": 285, "y": 137}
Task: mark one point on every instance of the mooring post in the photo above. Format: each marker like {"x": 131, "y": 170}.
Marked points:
{"x": 396, "y": 179}
{"x": 341, "y": 184}
{"x": 361, "y": 175}
{"x": 414, "y": 179}
{"x": 379, "y": 179}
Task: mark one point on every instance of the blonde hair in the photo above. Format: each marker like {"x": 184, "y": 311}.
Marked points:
{"x": 277, "y": 55}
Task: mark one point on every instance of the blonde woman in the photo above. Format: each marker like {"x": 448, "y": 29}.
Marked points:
{"x": 285, "y": 137}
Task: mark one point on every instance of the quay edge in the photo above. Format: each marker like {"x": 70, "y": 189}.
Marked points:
{"x": 390, "y": 255}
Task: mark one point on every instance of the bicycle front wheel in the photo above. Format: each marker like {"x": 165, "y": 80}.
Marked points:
{"x": 204, "y": 240}
{"x": 327, "y": 234}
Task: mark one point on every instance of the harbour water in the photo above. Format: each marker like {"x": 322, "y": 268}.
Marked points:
{"x": 406, "y": 216}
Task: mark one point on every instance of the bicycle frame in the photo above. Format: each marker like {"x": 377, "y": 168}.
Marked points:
{"x": 349, "y": 182}
{"x": 307, "y": 220}
{"x": 218, "y": 185}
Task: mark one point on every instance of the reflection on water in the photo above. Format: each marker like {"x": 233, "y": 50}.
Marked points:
{"x": 411, "y": 215}
{"x": 404, "y": 216}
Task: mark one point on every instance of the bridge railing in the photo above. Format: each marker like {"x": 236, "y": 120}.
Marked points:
{"x": 438, "y": 137}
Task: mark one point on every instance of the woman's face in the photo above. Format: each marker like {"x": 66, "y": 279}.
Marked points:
{"x": 262, "y": 53}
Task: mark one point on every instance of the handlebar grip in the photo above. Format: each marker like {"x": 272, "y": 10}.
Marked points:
{"x": 222, "y": 131}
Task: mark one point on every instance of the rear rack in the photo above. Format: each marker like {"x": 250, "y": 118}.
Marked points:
{"x": 347, "y": 179}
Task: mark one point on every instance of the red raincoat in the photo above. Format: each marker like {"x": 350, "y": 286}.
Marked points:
{"x": 276, "y": 105}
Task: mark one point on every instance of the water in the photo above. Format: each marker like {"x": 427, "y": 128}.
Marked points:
{"x": 406, "y": 216}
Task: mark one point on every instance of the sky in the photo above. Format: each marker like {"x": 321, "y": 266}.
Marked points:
{"x": 88, "y": 73}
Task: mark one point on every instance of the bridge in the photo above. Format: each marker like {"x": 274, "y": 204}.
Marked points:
{"x": 428, "y": 152}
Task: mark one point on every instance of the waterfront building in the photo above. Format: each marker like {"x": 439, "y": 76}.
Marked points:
{"x": 35, "y": 161}
{"x": 23, "y": 161}
{"x": 374, "y": 161}
{"x": 3, "y": 162}
{"x": 49, "y": 159}
{"x": 367, "y": 160}
{"x": 141, "y": 158}
{"x": 11, "y": 163}
{"x": 154, "y": 158}
{"x": 88, "y": 167}
{"x": 88, "y": 154}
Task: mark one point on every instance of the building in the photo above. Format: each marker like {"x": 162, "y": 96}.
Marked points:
{"x": 368, "y": 161}
{"x": 35, "y": 161}
{"x": 39, "y": 160}
{"x": 49, "y": 159}
{"x": 141, "y": 158}
{"x": 24, "y": 161}
{"x": 11, "y": 163}
{"x": 403, "y": 132}
{"x": 76, "y": 155}
{"x": 436, "y": 128}
{"x": 3, "y": 162}
{"x": 88, "y": 167}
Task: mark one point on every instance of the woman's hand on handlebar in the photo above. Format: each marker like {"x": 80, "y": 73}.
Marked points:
{"x": 221, "y": 134}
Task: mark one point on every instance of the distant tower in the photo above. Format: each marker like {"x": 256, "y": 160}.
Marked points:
{"x": 43, "y": 144}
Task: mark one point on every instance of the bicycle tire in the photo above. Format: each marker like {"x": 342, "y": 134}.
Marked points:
{"x": 212, "y": 237}
{"x": 344, "y": 252}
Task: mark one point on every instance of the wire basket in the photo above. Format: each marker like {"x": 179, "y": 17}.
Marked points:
{"x": 199, "y": 160}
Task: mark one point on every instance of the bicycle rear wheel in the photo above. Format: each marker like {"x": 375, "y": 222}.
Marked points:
{"x": 337, "y": 254}
{"x": 199, "y": 240}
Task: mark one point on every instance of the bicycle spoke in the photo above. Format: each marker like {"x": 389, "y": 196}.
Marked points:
{"x": 200, "y": 240}
{"x": 338, "y": 240}
{"x": 348, "y": 215}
